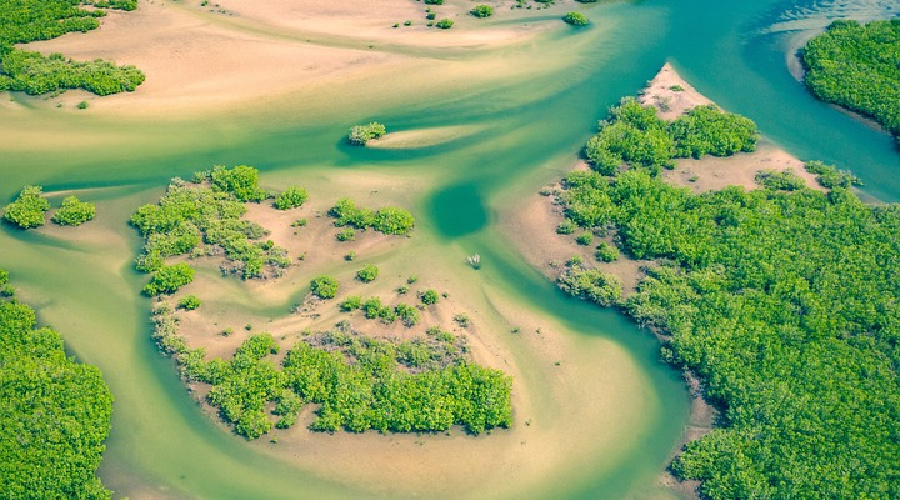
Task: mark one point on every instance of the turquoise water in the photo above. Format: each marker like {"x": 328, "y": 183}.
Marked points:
{"x": 531, "y": 131}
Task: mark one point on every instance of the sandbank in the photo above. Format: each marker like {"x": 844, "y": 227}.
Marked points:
{"x": 237, "y": 51}
{"x": 420, "y": 138}
{"x": 713, "y": 173}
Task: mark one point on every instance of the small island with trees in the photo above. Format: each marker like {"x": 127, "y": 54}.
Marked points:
{"x": 399, "y": 382}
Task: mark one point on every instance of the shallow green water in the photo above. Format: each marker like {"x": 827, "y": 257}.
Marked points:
{"x": 532, "y": 132}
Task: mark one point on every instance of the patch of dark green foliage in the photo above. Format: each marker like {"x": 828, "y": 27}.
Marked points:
{"x": 634, "y": 135}
{"x": 786, "y": 303}
{"x": 74, "y": 212}
{"x": 204, "y": 218}
{"x": 829, "y": 176}
{"x": 23, "y": 21}
{"x": 358, "y": 382}
{"x": 55, "y": 413}
{"x": 387, "y": 220}
{"x": 29, "y": 209}
{"x": 858, "y": 67}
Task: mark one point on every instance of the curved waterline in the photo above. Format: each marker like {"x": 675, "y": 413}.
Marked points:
{"x": 163, "y": 444}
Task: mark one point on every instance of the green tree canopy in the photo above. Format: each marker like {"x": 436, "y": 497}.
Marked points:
{"x": 54, "y": 413}
{"x": 74, "y": 212}
{"x": 29, "y": 209}
{"x": 858, "y": 67}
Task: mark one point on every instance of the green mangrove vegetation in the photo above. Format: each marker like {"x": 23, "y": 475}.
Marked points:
{"x": 785, "y": 180}
{"x": 368, "y": 273}
{"x": 359, "y": 383}
{"x": 784, "y": 300}
{"x": 482, "y": 11}
{"x": 429, "y": 297}
{"x": 291, "y": 197}
{"x": 203, "y": 218}
{"x": 858, "y": 67}
{"x": 324, "y": 287}
{"x": 168, "y": 279}
{"x": 24, "y": 21}
{"x": 189, "y": 303}
{"x": 604, "y": 252}
{"x": 829, "y": 176}
{"x": 74, "y": 212}
{"x": 597, "y": 286}
{"x": 575, "y": 18}
{"x": 388, "y": 220}
{"x": 373, "y": 308}
{"x": 361, "y": 134}
{"x": 54, "y": 412}
{"x": 633, "y": 134}
{"x": 29, "y": 210}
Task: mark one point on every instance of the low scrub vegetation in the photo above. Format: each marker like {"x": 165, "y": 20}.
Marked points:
{"x": 388, "y": 220}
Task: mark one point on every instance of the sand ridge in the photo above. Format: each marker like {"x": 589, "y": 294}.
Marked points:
{"x": 673, "y": 96}
{"x": 200, "y": 57}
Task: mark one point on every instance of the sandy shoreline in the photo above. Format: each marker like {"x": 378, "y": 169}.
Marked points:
{"x": 234, "y": 51}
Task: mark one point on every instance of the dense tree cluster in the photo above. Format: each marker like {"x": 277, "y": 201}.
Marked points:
{"x": 604, "y": 252}
{"x": 359, "y": 383}
{"x": 204, "y": 218}
{"x": 388, "y": 220}
{"x": 74, "y": 212}
{"x": 291, "y": 197}
{"x": 706, "y": 130}
{"x": 29, "y": 209}
{"x": 575, "y": 18}
{"x": 429, "y": 297}
{"x": 324, "y": 287}
{"x": 858, "y": 67}
{"x": 786, "y": 304}
{"x": 6, "y": 288}
{"x": 634, "y": 134}
{"x": 54, "y": 412}
{"x": 242, "y": 181}
{"x": 24, "y": 21}
{"x": 597, "y": 286}
{"x": 361, "y": 134}
{"x": 482, "y": 11}
{"x": 189, "y": 303}
{"x": 168, "y": 279}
